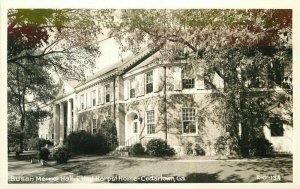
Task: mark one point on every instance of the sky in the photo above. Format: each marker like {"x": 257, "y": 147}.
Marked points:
{"x": 110, "y": 54}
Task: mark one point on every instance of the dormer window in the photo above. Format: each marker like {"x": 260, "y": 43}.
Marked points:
{"x": 149, "y": 82}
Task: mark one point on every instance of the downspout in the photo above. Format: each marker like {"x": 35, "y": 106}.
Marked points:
{"x": 114, "y": 86}
{"x": 165, "y": 103}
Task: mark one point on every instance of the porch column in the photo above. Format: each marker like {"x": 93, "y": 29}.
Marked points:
{"x": 61, "y": 123}
{"x": 56, "y": 115}
{"x": 69, "y": 116}
{"x": 75, "y": 103}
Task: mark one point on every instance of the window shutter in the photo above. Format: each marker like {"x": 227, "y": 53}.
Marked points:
{"x": 156, "y": 80}
{"x": 177, "y": 78}
{"x": 218, "y": 81}
{"x": 96, "y": 96}
{"x": 88, "y": 99}
{"x": 112, "y": 92}
{"x": 137, "y": 86}
{"x": 200, "y": 77}
{"x": 126, "y": 87}
{"x": 85, "y": 100}
{"x": 101, "y": 94}
{"x": 140, "y": 85}
{"x": 78, "y": 100}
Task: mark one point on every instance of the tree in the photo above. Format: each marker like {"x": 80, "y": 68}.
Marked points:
{"x": 244, "y": 47}
{"x": 42, "y": 42}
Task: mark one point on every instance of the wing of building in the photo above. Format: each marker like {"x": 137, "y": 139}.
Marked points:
{"x": 146, "y": 96}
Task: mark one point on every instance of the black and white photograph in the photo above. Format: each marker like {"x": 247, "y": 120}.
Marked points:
{"x": 148, "y": 96}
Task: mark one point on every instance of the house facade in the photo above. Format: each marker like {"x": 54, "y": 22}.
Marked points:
{"x": 148, "y": 98}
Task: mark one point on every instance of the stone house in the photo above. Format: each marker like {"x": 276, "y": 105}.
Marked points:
{"x": 146, "y": 96}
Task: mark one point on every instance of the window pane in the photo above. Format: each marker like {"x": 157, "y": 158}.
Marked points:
{"x": 188, "y": 83}
{"x": 150, "y": 122}
{"x": 276, "y": 129}
{"x": 149, "y": 77}
{"x": 149, "y": 88}
{"x": 189, "y": 120}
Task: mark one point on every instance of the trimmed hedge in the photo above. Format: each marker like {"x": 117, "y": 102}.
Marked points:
{"x": 43, "y": 154}
{"x": 138, "y": 149}
{"x": 62, "y": 155}
{"x": 260, "y": 147}
{"x": 159, "y": 148}
{"x": 82, "y": 142}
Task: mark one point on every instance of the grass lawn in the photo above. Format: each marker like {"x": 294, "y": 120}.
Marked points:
{"x": 277, "y": 169}
{"x": 131, "y": 169}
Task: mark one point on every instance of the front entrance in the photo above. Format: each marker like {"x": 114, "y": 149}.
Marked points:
{"x": 132, "y": 129}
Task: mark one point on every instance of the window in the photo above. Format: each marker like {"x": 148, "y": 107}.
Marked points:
{"x": 107, "y": 93}
{"x": 188, "y": 83}
{"x": 149, "y": 82}
{"x": 93, "y": 96}
{"x": 135, "y": 127}
{"x": 150, "y": 122}
{"x": 276, "y": 126}
{"x": 94, "y": 125}
{"x": 82, "y": 101}
{"x": 189, "y": 120}
{"x": 132, "y": 88}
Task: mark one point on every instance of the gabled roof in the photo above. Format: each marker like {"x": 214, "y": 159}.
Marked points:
{"x": 122, "y": 66}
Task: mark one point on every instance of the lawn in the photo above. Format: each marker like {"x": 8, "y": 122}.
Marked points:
{"x": 128, "y": 169}
{"x": 277, "y": 169}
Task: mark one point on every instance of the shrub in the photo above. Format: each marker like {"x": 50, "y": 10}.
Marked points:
{"x": 44, "y": 154}
{"x": 109, "y": 131}
{"x": 199, "y": 150}
{"x": 159, "y": 147}
{"x": 38, "y": 143}
{"x": 221, "y": 145}
{"x": 18, "y": 151}
{"x": 138, "y": 149}
{"x": 260, "y": 147}
{"x": 188, "y": 148}
{"x": 82, "y": 142}
{"x": 62, "y": 155}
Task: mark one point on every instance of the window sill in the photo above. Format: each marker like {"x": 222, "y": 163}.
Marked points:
{"x": 189, "y": 135}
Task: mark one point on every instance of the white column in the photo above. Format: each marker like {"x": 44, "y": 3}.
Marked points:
{"x": 61, "y": 123}
{"x": 56, "y": 123}
{"x": 69, "y": 116}
{"x": 75, "y": 123}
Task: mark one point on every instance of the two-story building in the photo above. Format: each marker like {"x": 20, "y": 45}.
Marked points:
{"x": 148, "y": 97}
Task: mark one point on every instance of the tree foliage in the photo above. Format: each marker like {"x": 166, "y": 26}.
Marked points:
{"x": 42, "y": 42}
{"x": 248, "y": 49}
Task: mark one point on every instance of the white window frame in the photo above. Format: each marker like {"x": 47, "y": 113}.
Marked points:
{"x": 195, "y": 120}
{"x": 146, "y": 82}
{"x": 93, "y": 98}
{"x": 82, "y": 101}
{"x": 132, "y": 86}
{"x": 107, "y": 88}
{"x": 94, "y": 125}
{"x": 151, "y": 123}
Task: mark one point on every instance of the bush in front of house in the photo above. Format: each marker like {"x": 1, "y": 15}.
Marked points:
{"x": 260, "y": 147}
{"x": 159, "y": 148}
{"x": 38, "y": 143}
{"x": 82, "y": 142}
{"x": 43, "y": 154}
{"x": 62, "y": 154}
{"x": 138, "y": 149}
